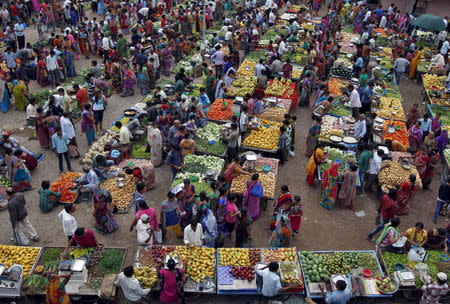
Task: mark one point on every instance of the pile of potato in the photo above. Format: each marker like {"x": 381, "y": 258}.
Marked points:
{"x": 268, "y": 181}
{"x": 393, "y": 174}
{"x": 121, "y": 196}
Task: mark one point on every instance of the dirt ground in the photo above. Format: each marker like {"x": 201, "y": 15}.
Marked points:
{"x": 321, "y": 229}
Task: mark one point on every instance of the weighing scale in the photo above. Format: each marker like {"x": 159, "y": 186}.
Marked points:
{"x": 250, "y": 158}
{"x": 78, "y": 271}
{"x": 11, "y": 281}
{"x": 405, "y": 278}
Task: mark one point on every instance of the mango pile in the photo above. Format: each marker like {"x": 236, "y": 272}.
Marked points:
{"x": 431, "y": 81}
{"x": 24, "y": 256}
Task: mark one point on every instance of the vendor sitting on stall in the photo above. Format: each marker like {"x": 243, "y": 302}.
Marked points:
{"x": 416, "y": 236}
{"x": 271, "y": 284}
{"x": 47, "y": 198}
{"x": 83, "y": 238}
{"x": 100, "y": 166}
{"x": 145, "y": 174}
{"x": 131, "y": 288}
{"x": 89, "y": 181}
{"x": 124, "y": 135}
{"x": 395, "y": 145}
{"x": 341, "y": 295}
{"x": 436, "y": 239}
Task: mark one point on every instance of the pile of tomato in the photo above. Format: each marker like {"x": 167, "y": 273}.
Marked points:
{"x": 221, "y": 109}
{"x": 400, "y": 134}
{"x": 64, "y": 183}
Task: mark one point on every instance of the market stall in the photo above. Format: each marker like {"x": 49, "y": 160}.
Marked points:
{"x": 64, "y": 183}
{"x": 121, "y": 188}
{"x": 359, "y": 268}
{"x": 284, "y": 88}
{"x": 236, "y": 269}
{"x": 344, "y": 158}
{"x": 393, "y": 173}
{"x": 435, "y": 90}
{"x": 221, "y": 110}
{"x": 338, "y": 131}
{"x": 200, "y": 266}
{"x": 263, "y": 138}
{"x": 87, "y": 267}
{"x": 390, "y": 108}
{"x": 395, "y": 130}
{"x": 243, "y": 85}
{"x": 208, "y": 140}
{"x": 275, "y": 109}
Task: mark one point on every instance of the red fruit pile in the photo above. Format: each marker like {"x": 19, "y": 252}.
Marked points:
{"x": 255, "y": 256}
{"x": 243, "y": 273}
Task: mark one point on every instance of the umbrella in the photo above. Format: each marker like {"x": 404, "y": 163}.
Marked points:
{"x": 430, "y": 22}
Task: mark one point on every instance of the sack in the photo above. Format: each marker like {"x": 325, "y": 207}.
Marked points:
{"x": 157, "y": 236}
{"x": 20, "y": 237}
{"x": 417, "y": 254}
{"x": 108, "y": 289}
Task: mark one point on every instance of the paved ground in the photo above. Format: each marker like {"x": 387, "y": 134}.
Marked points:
{"x": 321, "y": 229}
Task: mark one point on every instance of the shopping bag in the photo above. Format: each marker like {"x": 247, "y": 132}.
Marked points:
{"x": 157, "y": 236}
{"x": 417, "y": 254}
{"x": 20, "y": 237}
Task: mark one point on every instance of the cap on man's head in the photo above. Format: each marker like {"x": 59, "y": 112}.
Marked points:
{"x": 442, "y": 276}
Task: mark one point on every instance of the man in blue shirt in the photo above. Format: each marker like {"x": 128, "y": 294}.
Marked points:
{"x": 342, "y": 295}
{"x": 271, "y": 285}
{"x": 174, "y": 160}
{"x": 204, "y": 100}
{"x": 365, "y": 95}
{"x": 59, "y": 143}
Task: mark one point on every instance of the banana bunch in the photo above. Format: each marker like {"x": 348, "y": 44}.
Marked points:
{"x": 433, "y": 81}
{"x": 391, "y": 108}
{"x": 278, "y": 87}
{"x": 242, "y": 85}
{"x": 247, "y": 68}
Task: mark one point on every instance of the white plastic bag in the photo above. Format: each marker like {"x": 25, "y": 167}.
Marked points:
{"x": 157, "y": 236}
{"x": 417, "y": 254}
{"x": 20, "y": 237}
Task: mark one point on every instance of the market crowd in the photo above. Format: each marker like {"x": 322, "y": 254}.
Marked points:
{"x": 134, "y": 45}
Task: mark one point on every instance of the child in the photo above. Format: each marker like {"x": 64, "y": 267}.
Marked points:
{"x": 295, "y": 215}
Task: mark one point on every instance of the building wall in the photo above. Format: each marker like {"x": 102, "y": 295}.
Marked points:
{"x": 437, "y": 7}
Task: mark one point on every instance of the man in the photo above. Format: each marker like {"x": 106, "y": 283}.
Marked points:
{"x": 68, "y": 221}
{"x": 374, "y": 168}
{"x": 83, "y": 238}
{"x": 132, "y": 290}
{"x": 431, "y": 292}
{"x": 259, "y": 68}
{"x": 156, "y": 64}
{"x": 271, "y": 285}
{"x": 143, "y": 230}
{"x": 172, "y": 131}
{"x": 276, "y": 66}
{"x": 60, "y": 144}
{"x": 233, "y": 142}
{"x": 282, "y": 47}
{"x": 96, "y": 69}
{"x": 272, "y": 18}
{"x": 106, "y": 45}
{"x": 124, "y": 133}
{"x": 355, "y": 102}
{"x": 443, "y": 198}
{"x": 10, "y": 59}
{"x": 68, "y": 129}
{"x": 217, "y": 58}
{"x": 436, "y": 239}
{"x": 400, "y": 66}
{"x": 179, "y": 86}
{"x": 444, "y": 48}
{"x": 19, "y": 30}
{"x": 51, "y": 62}
{"x": 174, "y": 160}
{"x": 341, "y": 295}
{"x": 365, "y": 96}
{"x": 204, "y": 100}
{"x": 193, "y": 234}
{"x": 169, "y": 216}
{"x": 360, "y": 127}
{"x": 138, "y": 195}
{"x": 89, "y": 181}
{"x": 386, "y": 210}
{"x": 243, "y": 120}
{"x": 18, "y": 214}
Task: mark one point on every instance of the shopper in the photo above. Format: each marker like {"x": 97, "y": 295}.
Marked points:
{"x": 60, "y": 144}
{"x": 18, "y": 214}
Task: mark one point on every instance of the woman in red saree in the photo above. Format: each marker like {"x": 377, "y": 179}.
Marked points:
{"x": 431, "y": 166}
{"x": 284, "y": 203}
{"x": 42, "y": 74}
{"x": 405, "y": 195}
{"x": 233, "y": 170}
{"x": 420, "y": 161}
{"x": 412, "y": 116}
{"x": 330, "y": 186}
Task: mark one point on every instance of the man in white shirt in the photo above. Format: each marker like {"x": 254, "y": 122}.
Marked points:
{"x": 53, "y": 68}
{"x": 155, "y": 62}
{"x": 367, "y": 16}
{"x": 68, "y": 129}
{"x": 364, "y": 37}
{"x": 360, "y": 127}
{"x": 193, "y": 234}
{"x": 106, "y": 45}
{"x": 271, "y": 284}
{"x": 269, "y": 4}
{"x": 400, "y": 66}
{"x": 243, "y": 120}
{"x": 132, "y": 290}
{"x": 68, "y": 221}
{"x": 20, "y": 35}
{"x": 390, "y": 9}
{"x": 161, "y": 93}
{"x": 124, "y": 133}
{"x": 355, "y": 102}
{"x": 229, "y": 34}
{"x": 445, "y": 47}
{"x": 143, "y": 13}
{"x": 31, "y": 112}
{"x": 259, "y": 68}
{"x": 271, "y": 18}
{"x": 282, "y": 47}
{"x": 374, "y": 168}
{"x": 383, "y": 21}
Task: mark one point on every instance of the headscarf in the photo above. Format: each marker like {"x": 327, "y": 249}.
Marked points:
{"x": 277, "y": 235}
{"x": 330, "y": 172}
{"x": 209, "y": 223}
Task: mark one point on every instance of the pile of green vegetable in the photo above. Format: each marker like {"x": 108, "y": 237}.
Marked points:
{"x": 210, "y": 132}
{"x": 200, "y": 186}
{"x": 256, "y": 55}
{"x": 202, "y": 163}
{"x": 138, "y": 151}
{"x": 4, "y": 182}
{"x": 314, "y": 267}
{"x": 50, "y": 254}
{"x": 338, "y": 109}
{"x": 42, "y": 96}
{"x": 110, "y": 262}
{"x": 35, "y": 282}
{"x": 335, "y": 153}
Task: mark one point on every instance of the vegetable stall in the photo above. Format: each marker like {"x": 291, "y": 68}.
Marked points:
{"x": 282, "y": 88}
{"x": 208, "y": 140}
{"x": 359, "y": 268}
{"x": 263, "y": 138}
{"x": 338, "y": 132}
{"x": 344, "y": 158}
{"x": 64, "y": 183}
{"x": 221, "y": 110}
{"x": 434, "y": 87}
{"x": 275, "y": 109}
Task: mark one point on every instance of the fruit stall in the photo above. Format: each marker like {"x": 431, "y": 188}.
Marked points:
{"x": 86, "y": 280}
{"x": 263, "y": 139}
{"x": 267, "y": 168}
{"x": 337, "y": 85}
{"x": 282, "y": 88}
{"x": 391, "y": 108}
{"x": 200, "y": 170}
{"x": 23, "y": 255}
{"x": 359, "y": 268}
{"x": 220, "y": 110}
{"x": 64, "y": 183}
{"x": 275, "y": 109}
{"x": 342, "y": 67}
{"x": 236, "y": 269}
{"x": 242, "y": 85}
{"x": 208, "y": 140}
{"x": 344, "y": 158}
{"x": 200, "y": 266}
{"x": 435, "y": 91}
{"x": 393, "y": 173}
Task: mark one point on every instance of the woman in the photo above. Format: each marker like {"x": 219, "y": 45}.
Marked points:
{"x": 209, "y": 224}
{"x": 172, "y": 282}
{"x": 187, "y": 145}
{"x": 210, "y": 83}
{"x": 42, "y": 74}
{"x": 129, "y": 80}
{"x": 282, "y": 235}
{"x": 56, "y": 291}
{"x": 306, "y": 89}
{"x": 330, "y": 186}
{"x": 389, "y": 235}
{"x": 311, "y": 169}
{"x": 166, "y": 60}
{"x": 414, "y": 63}
{"x": 99, "y": 102}
{"x": 348, "y": 190}
{"x": 114, "y": 72}
{"x": 69, "y": 62}
{"x": 436, "y": 123}
{"x": 313, "y": 137}
{"x": 231, "y": 214}
{"x": 106, "y": 222}
{"x": 284, "y": 204}
{"x": 412, "y": 116}
{"x": 48, "y": 199}
{"x": 18, "y": 174}
{"x": 420, "y": 161}
{"x": 5, "y": 93}
{"x": 415, "y": 135}
{"x": 52, "y": 121}
{"x": 148, "y": 175}
{"x": 142, "y": 80}
{"x": 42, "y": 129}
{"x": 21, "y": 94}
{"x": 186, "y": 197}
{"x": 405, "y": 195}
{"x": 429, "y": 143}
{"x": 431, "y": 166}
{"x": 234, "y": 169}
{"x": 87, "y": 124}
{"x": 100, "y": 7}
{"x": 441, "y": 142}
{"x": 252, "y": 196}
{"x": 151, "y": 76}
{"x": 154, "y": 139}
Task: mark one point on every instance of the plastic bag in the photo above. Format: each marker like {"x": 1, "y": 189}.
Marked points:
{"x": 20, "y": 237}
{"x": 157, "y": 236}
{"x": 417, "y": 254}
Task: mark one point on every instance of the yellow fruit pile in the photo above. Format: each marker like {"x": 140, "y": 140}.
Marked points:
{"x": 297, "y": 71}
{"x": 264, "y": 138}
{"x": 121, "y": 196}
{"x": 273, "y": 113}
{"x": 433, "y": 81}
{"x": 234, "y": 257}
{"x": 242, "y": 85}
{"x": 125, "y": 120}
{"x": 24, "y": 256}
{"x": 391, "y": 108}
{"x": 201, "y": 263}
{"x": 147, "y": 276}
{"x": 247, "y": 68}
{"x": 279, "y": 87}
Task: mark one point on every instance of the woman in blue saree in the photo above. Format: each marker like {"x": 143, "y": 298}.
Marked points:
{"x": 69, "y": 63}
{"x": 5, "y": 97}
{"x": 100, "y": 7}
